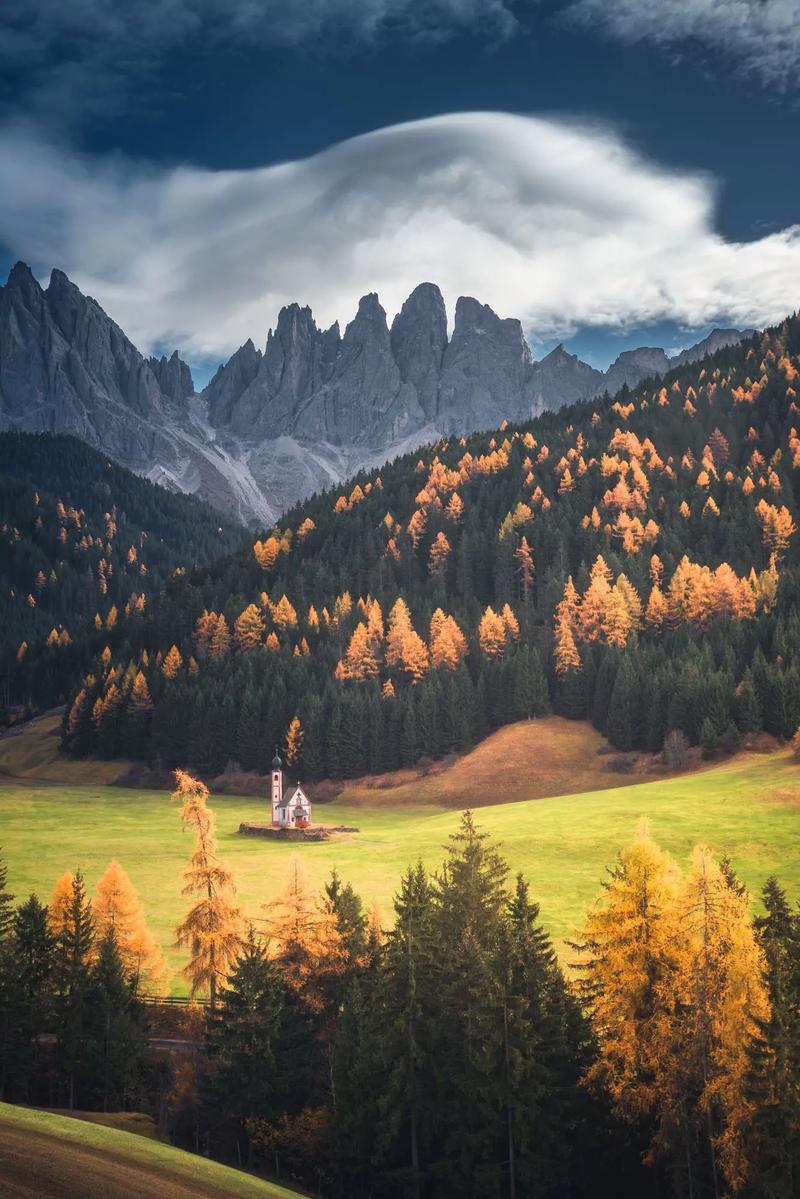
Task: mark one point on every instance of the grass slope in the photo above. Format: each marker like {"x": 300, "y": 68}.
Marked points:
{"x": 748, "y": 808}
{"x": 44, "y": 1155}
{"x": 30, "y": 751}
{"x": 529, "y": 760}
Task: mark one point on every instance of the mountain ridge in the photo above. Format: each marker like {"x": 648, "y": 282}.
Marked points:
{"x": 316, "y": 405}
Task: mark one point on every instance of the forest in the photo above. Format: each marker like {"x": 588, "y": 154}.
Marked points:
{"x": 81, "y": 536}
{"x": 447, "y": 1054}
{"x": 630, "y": 560}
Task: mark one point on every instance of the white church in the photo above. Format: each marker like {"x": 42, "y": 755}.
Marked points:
{"x": 291, "y": 808}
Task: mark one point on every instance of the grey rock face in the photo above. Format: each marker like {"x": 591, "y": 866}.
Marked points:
{"x": 634, "y": 365}
{"x": 561, "y": 378}
{"x": 173, "y": 377}
{"x": 230, "y": 383}
{"x": 486, "y": 371}
{"x": 718, "y": 339}
{"x": 419, "y": 341}
{"x": 66, "y": 367}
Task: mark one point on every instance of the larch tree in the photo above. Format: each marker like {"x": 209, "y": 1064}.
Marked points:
{"x": 294, "y": 741}
{"x": 249, "y": 629}
{"x": 525, "y": 570}
{"x": 116, "y": 907}
{"x": 439, "y": 556}
{"x": 721, "y": 998}
{"x": 628, "y": 968}
{"x": 492, "y": 634}
{"x": 212, "y": 928}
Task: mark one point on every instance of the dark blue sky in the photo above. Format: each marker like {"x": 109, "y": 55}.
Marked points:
{"x": 218, "y": 102}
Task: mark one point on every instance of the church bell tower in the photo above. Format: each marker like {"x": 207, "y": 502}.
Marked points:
{"x": 277, "y": 786}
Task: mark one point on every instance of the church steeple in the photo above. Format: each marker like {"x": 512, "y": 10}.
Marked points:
{"x": 277, "y": 785}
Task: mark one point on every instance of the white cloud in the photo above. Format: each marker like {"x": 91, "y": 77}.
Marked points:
{"x": 81, "y": 58}
{"x": 758, "y": 37}
{"x": 559, "y": 224}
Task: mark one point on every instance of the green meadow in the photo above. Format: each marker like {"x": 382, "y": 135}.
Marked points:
{"x": 748, "y": 808}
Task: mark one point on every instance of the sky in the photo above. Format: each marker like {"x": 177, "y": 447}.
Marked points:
{"x": 612, "y": 172}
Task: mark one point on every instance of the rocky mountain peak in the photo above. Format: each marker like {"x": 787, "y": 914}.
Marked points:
{"x": 419, "y": 340}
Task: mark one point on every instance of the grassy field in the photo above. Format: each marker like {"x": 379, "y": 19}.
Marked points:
{"x": 42, "y": 1154}
{"x": 748, "y": 807}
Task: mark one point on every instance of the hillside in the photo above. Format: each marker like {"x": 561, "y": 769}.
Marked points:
{"x": 633, "y": 561}
{"x": 44, "y": 1155}
{"x": 82, "y": 538}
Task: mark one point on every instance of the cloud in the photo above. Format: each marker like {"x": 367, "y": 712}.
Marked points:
{"x": 758, "y": 37}
{"x": 562, "y": 225}
{"x": 78, "y": 59}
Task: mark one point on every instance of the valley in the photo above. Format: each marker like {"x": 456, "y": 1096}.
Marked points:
{"x": 747, "y": 808}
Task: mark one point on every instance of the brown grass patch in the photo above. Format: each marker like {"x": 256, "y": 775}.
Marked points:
{"x": 529, "y": 760}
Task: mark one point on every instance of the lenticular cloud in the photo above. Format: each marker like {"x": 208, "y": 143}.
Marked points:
{"x": 561, "y": 224}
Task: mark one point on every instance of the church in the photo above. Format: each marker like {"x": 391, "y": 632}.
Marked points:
{"x": 291, "y": 808}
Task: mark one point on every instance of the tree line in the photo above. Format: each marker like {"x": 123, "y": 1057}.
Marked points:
{"x": 448, "y": 1053}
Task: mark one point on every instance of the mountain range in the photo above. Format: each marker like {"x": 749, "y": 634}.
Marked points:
{"x": 313, "y": 407}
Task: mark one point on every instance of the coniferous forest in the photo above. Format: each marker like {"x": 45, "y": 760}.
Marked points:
{"x": 80, "y": 536}
{"x": 629, "y": 560}
{"x": 446, "y": 1055}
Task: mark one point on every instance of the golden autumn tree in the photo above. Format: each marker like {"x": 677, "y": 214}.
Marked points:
{"x": 777, "y": 527}
{"x": 405, "y": 649}
{"x": 284, "y": 614}
{"x": 220, "y": 642}
{"x": 304, "y": 938}
{"x": 248, "y": 629}
{"x": 565, "y": 651}
{"x": 628, "y": 968}
{"x": 171, "y": 666}
{"x": 212, "y": 928}
{"x": 399, "y": 627}
{"x": 448, "y": 645}
{"x": 718, "y": 997}
{"x": 295, "y": 736}
{"x": 438, "y": 557}
{"x": 525, "y": 570}
{"x": 492, "y": 633}
{"x": 116, "y": 906}
{"x": 58, "y": 904}
{"x": 360, "y": 661}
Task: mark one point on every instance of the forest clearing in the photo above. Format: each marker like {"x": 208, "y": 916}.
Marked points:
{"x": 747, "y": 808}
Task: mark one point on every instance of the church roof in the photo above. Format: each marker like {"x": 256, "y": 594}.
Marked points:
{"x": 290, "y": 794}
{"x": 276, "y": 761}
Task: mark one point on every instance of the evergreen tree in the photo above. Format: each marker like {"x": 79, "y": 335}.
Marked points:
{"x": 773, "y": 1081}
{"x": 244, "y": 1039}
{"x": 74, "y": 942}
{"x": 114, "y": 1030}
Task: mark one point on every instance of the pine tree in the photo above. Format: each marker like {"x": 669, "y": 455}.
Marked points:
{"x": 406, "y": 1134}
{"x": 773, "y": 1077}
{"x": 114, "y": 1029}
{"x": 74, "y": 939}
{"x": 244, "y": 1037}
{"x": 469, "y": 907}
{"x": 32, "y": 956}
